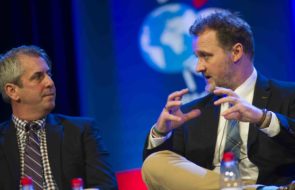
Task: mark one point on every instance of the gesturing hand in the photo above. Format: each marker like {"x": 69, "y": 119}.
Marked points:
{"x": 171, "y": 116}
{"x": 240, "y": 110}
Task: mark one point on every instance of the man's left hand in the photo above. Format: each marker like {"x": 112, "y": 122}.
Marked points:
{"x": 240, "y": 109}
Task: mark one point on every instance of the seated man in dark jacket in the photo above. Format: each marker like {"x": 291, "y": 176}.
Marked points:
{"x": 185, "y": 146}
{"x": 50, "y": 148}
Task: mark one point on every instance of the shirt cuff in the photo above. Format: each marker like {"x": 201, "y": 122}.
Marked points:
{"x": 274, "y": 127}
{"x": 156, "y": 141}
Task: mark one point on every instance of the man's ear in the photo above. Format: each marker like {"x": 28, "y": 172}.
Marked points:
{"x": 237, "y": 52}
{"x": 12, "y": 91}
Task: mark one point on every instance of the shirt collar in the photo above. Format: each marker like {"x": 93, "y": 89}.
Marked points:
{"x": 248, "y": 85}
{"x": 21, "y": 124}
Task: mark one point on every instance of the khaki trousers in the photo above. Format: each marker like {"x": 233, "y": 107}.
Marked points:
{"x": 166, "y": 170}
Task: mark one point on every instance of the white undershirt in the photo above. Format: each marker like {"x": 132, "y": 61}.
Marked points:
{"x": 248, "y": 170}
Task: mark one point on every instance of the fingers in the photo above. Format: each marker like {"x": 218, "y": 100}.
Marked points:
{"x": 172, "y": 104}
{"x": 233, "y": 116}
{"x": 192, "y": 114}
{"x": 232, "y": 113}
{"x": 171, "y": 117}
{"x": 243, "y": 111}
{"x": 177, "y": 95}
{"x": 182, "y": 117}
{"x": 224, "y": 91}
{"x": 174, "y": 100}
{"x": 229, "y": 96}
{"x": 228, "y": 99}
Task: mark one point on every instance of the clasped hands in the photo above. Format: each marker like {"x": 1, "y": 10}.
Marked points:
{"x": 172, "y": 117}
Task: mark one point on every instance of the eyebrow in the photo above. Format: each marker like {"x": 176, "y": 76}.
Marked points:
{"x": 35, "y": 74}
{"x": 39, "y": 73}
{"x": 202, "y": 53}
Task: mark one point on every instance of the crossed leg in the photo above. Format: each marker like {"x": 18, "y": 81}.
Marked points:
{"x": 166, "y": 170}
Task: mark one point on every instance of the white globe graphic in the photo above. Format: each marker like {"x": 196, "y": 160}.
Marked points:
{"x": 164, "y": 38}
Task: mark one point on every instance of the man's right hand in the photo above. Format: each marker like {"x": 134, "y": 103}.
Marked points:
{"x": 171, "y": 116}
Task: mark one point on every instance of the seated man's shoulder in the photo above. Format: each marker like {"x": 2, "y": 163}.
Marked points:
{"x": 4, "y": 125}
{"x": 282, "y": 84}
{"x": 74, "y": 118}
{"x": 285, "y": 89}
{"x": 71, "y": 121}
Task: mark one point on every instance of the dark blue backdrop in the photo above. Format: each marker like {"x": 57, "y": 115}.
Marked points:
{"x": 100, "y": 72}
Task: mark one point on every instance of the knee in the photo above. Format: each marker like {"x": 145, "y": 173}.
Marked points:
{"x": 150, "y": 164}
{"x": 154, "y": 162}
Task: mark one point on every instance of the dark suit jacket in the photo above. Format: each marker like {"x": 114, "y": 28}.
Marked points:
{"x": 274, "y": 157}
{"x": 75, "y": 149}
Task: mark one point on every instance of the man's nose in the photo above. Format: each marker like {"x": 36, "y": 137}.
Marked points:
{"x": 200, "y": 67}
{"x": 48, "y": 80}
